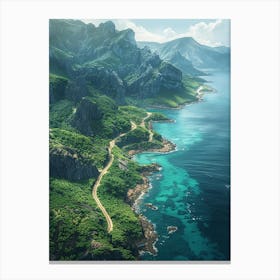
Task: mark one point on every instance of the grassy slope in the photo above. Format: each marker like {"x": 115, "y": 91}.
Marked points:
{"x": 112, "y": 193}
{"x": 174, "y": 99}
{"x": 140, "y": 134}
{"x": 61, "y": 113}
{"x": 90, "y": 148}
{"x": 133, "y": 113}
{"x": 57, "y": 86}
{"x": 75, "y": 221}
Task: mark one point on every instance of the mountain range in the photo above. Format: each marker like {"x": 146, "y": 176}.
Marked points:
{"x": 187, "y": 49}
{"x": 109, "y": 61}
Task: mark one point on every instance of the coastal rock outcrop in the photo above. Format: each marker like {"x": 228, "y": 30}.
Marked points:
{"x": 171, "y": 229}
{"x": 66, "y": 164}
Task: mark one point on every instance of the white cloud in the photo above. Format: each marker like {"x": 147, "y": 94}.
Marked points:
{"x": 141, "y": 33}
{"x": 169, "y": 33}
{"x": 213, "y": 34}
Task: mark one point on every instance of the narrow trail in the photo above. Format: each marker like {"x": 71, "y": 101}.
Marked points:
{"x": 150, "y": 135}
{"x": 97, "y": 184}
{"x": 104, "y": 171}
{"x": 143, "y": 125}
{"x": 143, "y": 120}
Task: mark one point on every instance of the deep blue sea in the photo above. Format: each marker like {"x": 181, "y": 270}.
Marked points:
{"x": 192, "y": 191}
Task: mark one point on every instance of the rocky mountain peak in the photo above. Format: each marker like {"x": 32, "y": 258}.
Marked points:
{"x": 107, "y": 27}
{"x": 130, "y": 36}
{"x": 110, "y": 61}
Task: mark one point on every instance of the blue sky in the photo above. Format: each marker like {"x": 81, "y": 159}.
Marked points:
{"x": 211, "y": 32}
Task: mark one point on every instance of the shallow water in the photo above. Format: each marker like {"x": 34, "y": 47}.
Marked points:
{"x": 192, "y": 191}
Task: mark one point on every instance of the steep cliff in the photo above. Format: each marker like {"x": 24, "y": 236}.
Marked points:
{"x": 87, "y": 113}
{"x": 67, "y": 164}
{"x": 107, "y": 60}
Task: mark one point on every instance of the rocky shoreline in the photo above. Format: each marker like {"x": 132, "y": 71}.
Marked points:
{"x": 134, "y": 196}
{"x": 168, "y": 146}
{"x": 150, "y": 236}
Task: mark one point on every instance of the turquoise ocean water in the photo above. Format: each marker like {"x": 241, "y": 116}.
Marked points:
{"x": 192, "y": 191}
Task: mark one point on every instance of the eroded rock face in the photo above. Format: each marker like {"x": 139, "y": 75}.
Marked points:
{"x": 87, "y": 113}
{"x": 150, "y": 58}
{"x": 76, "y": 90}
{"x": 66, "y": 164}
{"x": 150, "y": 82}
{"x": 110, "y": 61}
{"x": 171, "y": 77}
{"x": 183, "y": 64}
{"x": 153, "y": 76}
{"x": 107, "y": 81}
{"x": 107, "y": 27}
{"x": 57, "y": 90}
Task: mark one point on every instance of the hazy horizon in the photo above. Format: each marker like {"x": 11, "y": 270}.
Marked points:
{"x": 209, "y": 32}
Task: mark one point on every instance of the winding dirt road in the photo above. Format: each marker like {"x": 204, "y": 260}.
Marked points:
{"x": 143, "y": 120}
{"x": 97, "y": 184}
{"x": 105, "y": 170}
{"x": 143, "y": 125}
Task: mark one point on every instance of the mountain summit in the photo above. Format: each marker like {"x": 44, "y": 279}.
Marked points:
{"x": 108, "y": 60}
{"x": 201, "y": 56}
